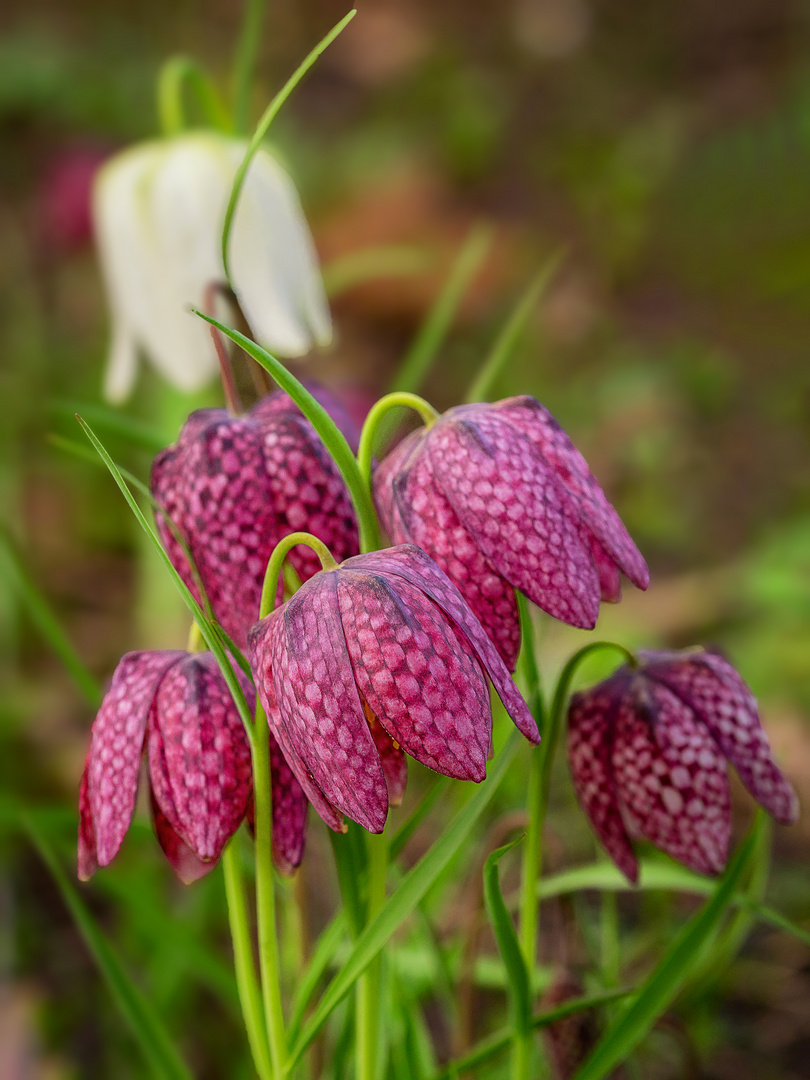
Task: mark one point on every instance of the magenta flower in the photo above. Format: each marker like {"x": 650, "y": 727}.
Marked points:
{"x": 234, "y": 486}
{"x": 176, "y": 706}
{"x": 648, "y": 750}
{"x": 378, "y": 657}
{"x": 500, "y": 497}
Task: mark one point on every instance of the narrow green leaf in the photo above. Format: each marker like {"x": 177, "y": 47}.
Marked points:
{"x": 405, "y": 897}
{"x": 41, "y": 614}
{"x": 500, "y": 1040}
{"x": 351, "y": 865}
{"x": 177, "y": 73}
{"x": 264, "y": 123}
{"x": 210, "y": 636}
{"x": 509, "y": 338}
{"x": 517, "y": 982}
{"x": 662, "y": 985}
{"x": 425, "y": 347}
{"x": 135, "y": 1006}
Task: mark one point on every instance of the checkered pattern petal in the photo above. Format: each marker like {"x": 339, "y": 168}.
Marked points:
{"x": 184, "y": 862}
{"x": 591, "y": 724}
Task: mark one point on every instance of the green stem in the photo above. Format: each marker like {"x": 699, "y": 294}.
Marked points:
{"x": 266, "y": 897}
{"x": 244, "y": 66}
{"x": 250, "y": 996}
{"x": 175, "y": 74}
{"x": 276, "y": 562}
{"x": 267, "y": 118}
{"x": 368, "y": 985}
{"x": 398, "y": 399}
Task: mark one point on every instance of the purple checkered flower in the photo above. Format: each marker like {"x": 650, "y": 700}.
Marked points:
{"x": 500, "y": 497}
{"x": 378, "y": 658}
{"x": 234, "y": 486}
{"x": 176, "y": 707}
{"x": 648, "y": 750}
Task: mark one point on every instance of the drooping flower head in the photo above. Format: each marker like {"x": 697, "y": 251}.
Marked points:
{"x": 176, "y": 707}
{"x": 648, "y": 750}
{"x": 378, "y": 658}
{"x": 159, "y": 209}
{"x": 234, "y": 486}
{"x": 500, "y": 497}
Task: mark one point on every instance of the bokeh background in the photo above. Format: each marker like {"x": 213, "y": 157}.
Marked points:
{"x": 664, "y": 150}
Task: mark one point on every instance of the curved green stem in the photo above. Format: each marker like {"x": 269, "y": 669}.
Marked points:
{"x": 176, "y": 73}
{"x": 568, "y": 672}
{"x": 250, "y": 996}
{"x": 266, "y": 897}
{"x": 267, "y": 118}
{"x": 333, "y": 438}
{"x": 398, "y": 399}
{"x": 276, "y": 562}
{"x": 244, "y": 66}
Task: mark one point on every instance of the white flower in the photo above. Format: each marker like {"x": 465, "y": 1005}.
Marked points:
{"x": 158, "y": 211}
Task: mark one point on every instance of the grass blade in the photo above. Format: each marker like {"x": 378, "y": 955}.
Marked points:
{"x": 517, "y": 983}
{"x": 402, "y": 901}
{"x": 662, "y": 985}
{"x": 135, "y": 1007}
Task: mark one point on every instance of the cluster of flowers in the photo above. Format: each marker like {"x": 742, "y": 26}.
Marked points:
{"x": 387, "y": 654}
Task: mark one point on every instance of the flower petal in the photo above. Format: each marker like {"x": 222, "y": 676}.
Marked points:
{"x": 186, "y": 865}
{"x": 199, "y": 756}
{"x": 413, "y": 565}
{"x": 429, "y": 521}
{"x": 88, "y": 864}
{"x": 591, "y": 719}
{"x": 279, "y": 402}
{"x": 274, "y": 266}
{"x": 116, "y": 745}
{"x": 610, "y": 582}
{"x": 671, "y": 779}
{"x": 710, "y": 686}
{"x": 538, "y": 425}
{"x": 425, "y": 687}
{"x": 213, "y": 486}
{"x": 260, "y": 659}
{"x": 392, "y": 758}
{"x": 514, "y": 506}
{"x": 319, "y": 703}
{"x": 385, "y": 475}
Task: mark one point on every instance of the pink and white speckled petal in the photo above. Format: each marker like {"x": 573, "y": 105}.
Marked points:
{"x": 184, "y": 862}
{"x": 430, "y": 522}
{"x": 319, "y": 703}
{"x": 424, "y": 686}
{"x": 711, "y": 687}
{"x": 671, "y": 779}
{"x": 88, "y": 864}
{"x": 260, "y": 653}
{"x": 591, "y": 718}
{"x": 280, "y": 402}
{"x": 536, "y": 423}
{"x": 116, "y": 746}
{"x": 307, "y": 491}
{"x": 386, "y": 474}
{"x": 512, "y": 503}
{"x": 199, "y": 756}
{"x": 289, "y": 812}
{"x": 415, "y": 566}
{"x": 610, "y": 582}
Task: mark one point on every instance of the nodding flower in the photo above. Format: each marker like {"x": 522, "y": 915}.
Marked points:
{"x": 648, "y": 749}
{"x": 175, "y": 708}
{"x": 501, "y": 498}
{"x": 372, "y": 660}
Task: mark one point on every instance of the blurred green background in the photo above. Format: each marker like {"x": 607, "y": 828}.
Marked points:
{"x": 665, "y": 148}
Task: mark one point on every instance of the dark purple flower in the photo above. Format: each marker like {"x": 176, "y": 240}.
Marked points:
{"x": 378, "y": 657}
{"x": 648, "y": 750}
{"x": 176, "y": 706}
{"x": 500, "y": 497}
{"x": 234, "y": 486}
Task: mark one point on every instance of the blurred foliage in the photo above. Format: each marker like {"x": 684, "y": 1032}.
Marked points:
{"x": 666, "y": 149}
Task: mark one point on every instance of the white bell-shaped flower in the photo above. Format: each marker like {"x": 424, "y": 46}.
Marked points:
{"x": 158, "y": 211}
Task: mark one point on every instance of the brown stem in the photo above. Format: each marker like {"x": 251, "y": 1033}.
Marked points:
{"x": 232, "y": 399}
